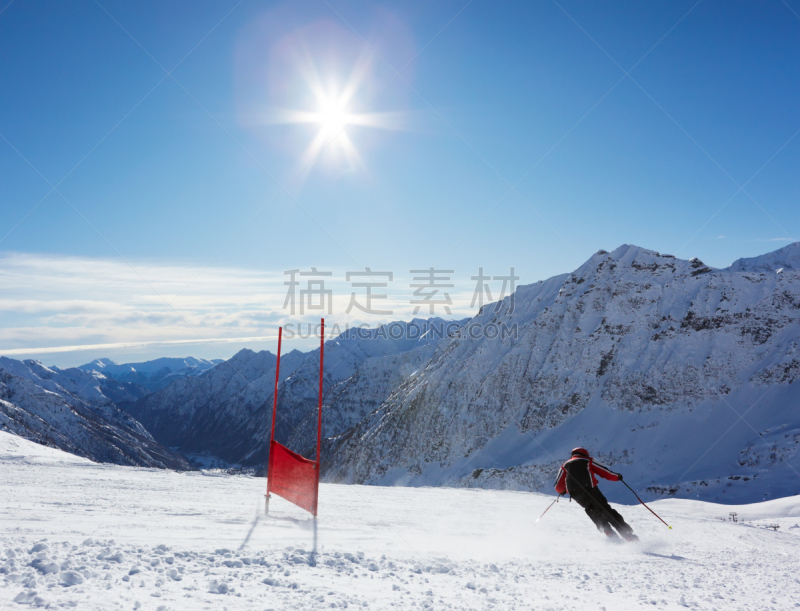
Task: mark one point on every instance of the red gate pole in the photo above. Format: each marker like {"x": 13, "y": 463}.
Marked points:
{"x": 319, "y": 410}
{"x": 274, "y": 410}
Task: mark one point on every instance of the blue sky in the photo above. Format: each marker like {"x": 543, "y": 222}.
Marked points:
{"x": 497, "y": 135}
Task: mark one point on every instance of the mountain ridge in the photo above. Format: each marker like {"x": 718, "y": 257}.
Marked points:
{"x": 149, "y": 376}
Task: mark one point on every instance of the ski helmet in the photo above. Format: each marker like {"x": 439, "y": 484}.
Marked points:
{"x": 581, "y": 452}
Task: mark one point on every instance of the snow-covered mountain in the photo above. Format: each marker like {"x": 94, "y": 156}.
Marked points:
{"x": 362, "y": 368}
{"x": 226, "y": 412}
{"x": 217, "y": 413}
{"x": 66, "y": 409}
{"x": 681, "y": 376}
{"x": 150, "y": 375}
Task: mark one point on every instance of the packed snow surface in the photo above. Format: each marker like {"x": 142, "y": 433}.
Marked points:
{"x": 76, "y": 534}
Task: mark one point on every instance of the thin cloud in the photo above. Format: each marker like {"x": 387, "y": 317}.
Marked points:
{"x": 67, "y": 306}
{"x": 150, "y": 344}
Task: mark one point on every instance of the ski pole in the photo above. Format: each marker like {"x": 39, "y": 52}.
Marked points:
{"x": 546, "y": 510}
{"x": 643, "y": 503}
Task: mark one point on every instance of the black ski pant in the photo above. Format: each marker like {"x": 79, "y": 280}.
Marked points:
{"x": 600, "y": 512}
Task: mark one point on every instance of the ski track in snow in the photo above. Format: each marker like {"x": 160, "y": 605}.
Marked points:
{"x": 75, "y": 534}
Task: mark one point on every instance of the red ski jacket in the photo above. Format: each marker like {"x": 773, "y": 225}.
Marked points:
{"x": 582, "y": 472}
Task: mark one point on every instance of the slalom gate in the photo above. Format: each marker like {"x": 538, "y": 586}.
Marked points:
{"x": 290, "y": 475}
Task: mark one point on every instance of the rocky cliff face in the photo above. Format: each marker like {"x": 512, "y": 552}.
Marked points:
{"x": 66, "y": 409}
{"x": 680, "y": 375}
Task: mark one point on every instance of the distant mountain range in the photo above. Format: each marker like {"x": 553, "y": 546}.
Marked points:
{"x": 74, "y": 409}
{"x": 681, "y": 376}
{"x": 149, "y": 376}
{"x": 227, "y": 411}
{"x": 66, "y": 409}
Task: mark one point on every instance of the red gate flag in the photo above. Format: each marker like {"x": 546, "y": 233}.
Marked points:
{"x": 290, "y": 475}
{"x": 293, "y": 477}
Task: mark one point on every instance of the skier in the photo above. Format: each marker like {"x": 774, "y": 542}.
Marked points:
{"x": 577, "y": 477}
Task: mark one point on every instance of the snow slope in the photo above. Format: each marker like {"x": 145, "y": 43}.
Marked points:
{"x": 682, "y": 377}
{"x": 75, "y": 534}
{"x": 67, "y": 409}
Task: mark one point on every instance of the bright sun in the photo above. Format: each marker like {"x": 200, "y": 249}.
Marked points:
{"x": 335, "y": 110}
{"x": 333, "y": 116}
